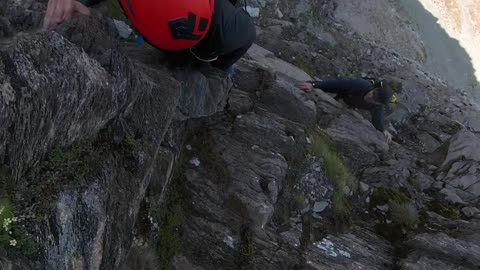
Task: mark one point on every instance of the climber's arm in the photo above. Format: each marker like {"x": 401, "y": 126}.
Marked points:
{"x": 378, "y": 121}
{"x": 331, "y": 86}
{"x": 59, "y": 11}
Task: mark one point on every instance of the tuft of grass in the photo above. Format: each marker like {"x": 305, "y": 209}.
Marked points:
{"x": 339, "y": 174}
{"x": 74, "y": 162}
{"x": 172, "y": 217}
{"x": 445, "y": 209}
{"x": 452, "y": 128}
{"x": 335, "y": 167}
{"x": 342, "y": 210}
{"x": 404, "y": 215}
{"x": 131, "y": 142}
{"x": 245, "y": 249}
{"x": 170, "y": 236}
{"x": 382, "y": 196}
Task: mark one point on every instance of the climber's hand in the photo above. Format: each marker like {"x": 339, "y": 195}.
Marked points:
{"x": 388, "y": 137}
{"x": 59, "y": 11}
{"x": 307, "y": 87}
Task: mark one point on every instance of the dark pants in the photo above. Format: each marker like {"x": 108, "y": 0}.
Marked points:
{"x": 225, "y": 61}
{"x": 230, "y": 36}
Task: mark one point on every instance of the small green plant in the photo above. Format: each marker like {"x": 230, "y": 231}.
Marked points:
{"x": 11, "y": 235}
{"x": 452, "y": 128}
{"x": 130, "y": 142}
{"x": 339, "y": 174}
{"x": 335, "y": 167}
{"x": 7, "y": 223}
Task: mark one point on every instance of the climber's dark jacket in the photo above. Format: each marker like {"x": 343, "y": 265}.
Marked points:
{"x": 352, "y": 92}
{"x": 230, "y": 36}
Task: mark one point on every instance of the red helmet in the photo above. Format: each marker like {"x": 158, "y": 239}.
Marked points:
{"x": 170, "y": 24}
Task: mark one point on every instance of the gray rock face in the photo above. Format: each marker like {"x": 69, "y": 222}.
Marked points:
{"x": 90, "y": 224}
{"x": 361, "y": 144}
{"x": 471, "y": 212}
{"x": 447, "y": 248}
{"x": 462, "y": 164}
{"x": 462, "y": 146}
{"x": 334, "y": 252}
{"x": 320, "y": 206}
{"x": 314, "y": 184}
{"x": 423, "y": 181}
{"x": 425, "y": 263}
{"x": 18, "y": 16}
{"x": 33, "y": 85}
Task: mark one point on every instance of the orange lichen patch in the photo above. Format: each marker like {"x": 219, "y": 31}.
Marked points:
{"x": 454, "y": 14}
{"x": 474, "y": 11}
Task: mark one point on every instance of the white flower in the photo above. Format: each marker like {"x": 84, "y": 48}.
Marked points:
{"x": 13, "y": 242}
{"x": 6, "y": 222}
{"x": 14, "y": 219}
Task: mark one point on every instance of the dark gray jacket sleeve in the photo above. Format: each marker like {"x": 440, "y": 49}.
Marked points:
{"x": 378, "y": 114}
{"x": 341, "y": 86}
{"x": 90, "y": 3}
{"x": 332, "y": 86}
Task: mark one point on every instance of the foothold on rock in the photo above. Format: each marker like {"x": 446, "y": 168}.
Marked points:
{"x": 383, "y": 208}
{"x": 228, "y": 240}
{"x": 452, "y": 196}
{"x": 253, "y": 11}
{"x": 432, "y": 167}
{"x": 279, "y": 13}
{"x": 320, "y": 206}
{"x": 195, "y": 162}
{"x": 438, "y": 185}
{"x": 364, "y": 187}
{"x": 471, "y": 212}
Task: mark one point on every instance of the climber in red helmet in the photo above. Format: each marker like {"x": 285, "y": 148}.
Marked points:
{"x": 211, "y": 30}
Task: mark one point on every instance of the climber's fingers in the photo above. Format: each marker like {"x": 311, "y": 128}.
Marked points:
{"x": 59, "y": 11}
